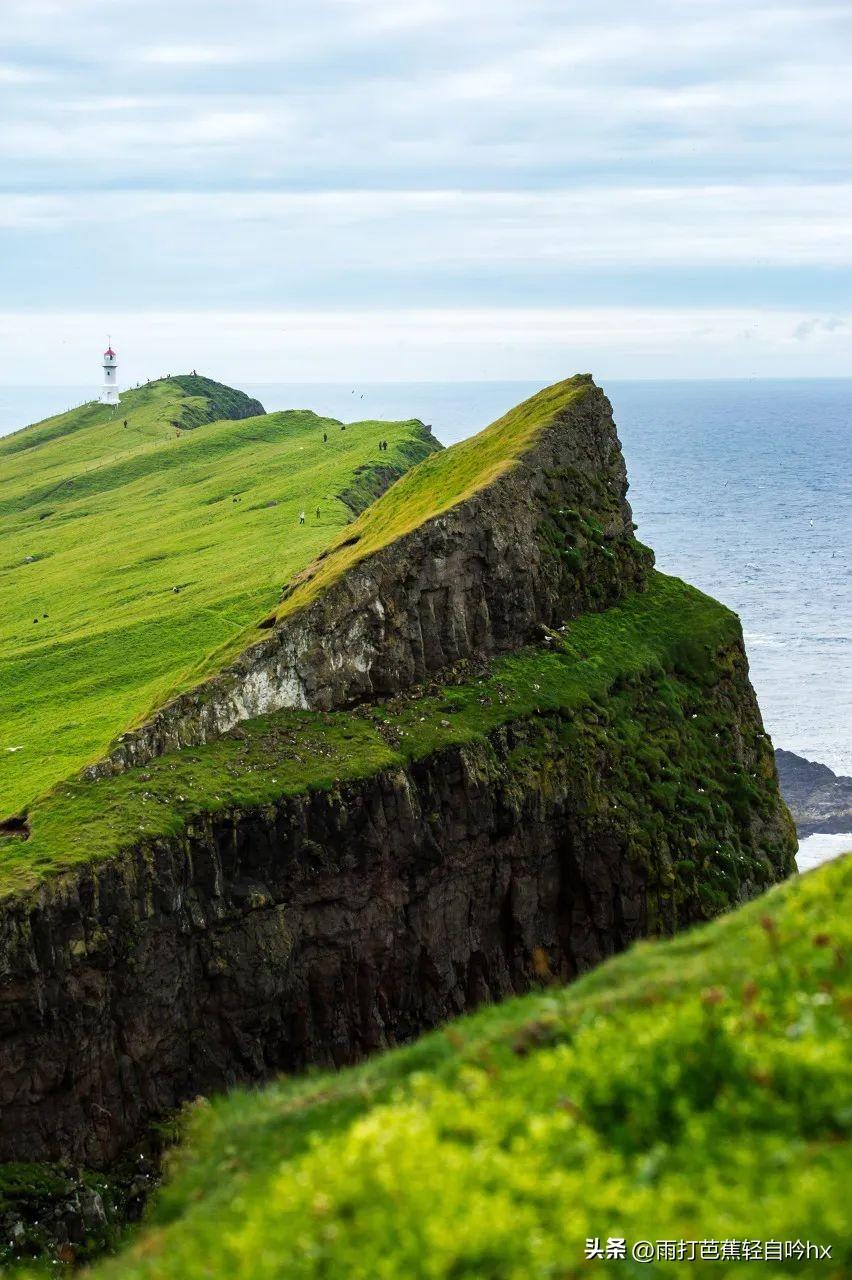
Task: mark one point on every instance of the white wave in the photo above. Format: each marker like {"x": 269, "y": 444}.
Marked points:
{"x": 763, "y": 639}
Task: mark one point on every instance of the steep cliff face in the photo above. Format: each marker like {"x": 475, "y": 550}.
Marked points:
{"x": 320, "y": 925}
{"x": 495, "y": 746}
{"x": 537, "y": 530}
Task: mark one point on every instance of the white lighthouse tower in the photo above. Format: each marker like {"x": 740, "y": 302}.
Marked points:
{"x": 109, "y": 394}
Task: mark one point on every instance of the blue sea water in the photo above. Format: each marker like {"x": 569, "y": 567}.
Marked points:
{"x": 741, "y": 487}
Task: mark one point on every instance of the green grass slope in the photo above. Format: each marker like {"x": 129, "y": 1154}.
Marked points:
{"x": 696, "y": 1089}
{"x": 99, "y": 523}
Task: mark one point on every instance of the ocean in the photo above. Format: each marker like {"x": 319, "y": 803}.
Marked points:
{"x": 741, "y": 487}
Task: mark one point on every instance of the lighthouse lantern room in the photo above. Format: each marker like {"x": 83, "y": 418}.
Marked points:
{"x": 109, "y": 394}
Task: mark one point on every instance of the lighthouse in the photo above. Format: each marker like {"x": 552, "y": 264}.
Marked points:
{"x": 109, "y": 394}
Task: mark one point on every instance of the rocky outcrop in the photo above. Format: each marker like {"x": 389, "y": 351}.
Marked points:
{"x": 818, "y": 799}
{"x": 549, "y": 538}
{"x": 328, "y": 924}
{"x": 211, "y": 400}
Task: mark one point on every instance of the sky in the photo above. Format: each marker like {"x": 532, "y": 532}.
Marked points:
{"x": 425, "y": 189}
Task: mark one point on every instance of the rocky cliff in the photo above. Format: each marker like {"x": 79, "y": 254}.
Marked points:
{"x": 455, "y": 846}
{"x": 536, "y": 539}
{"x": 819, "y": 799}
{"x": 508, "y": 749}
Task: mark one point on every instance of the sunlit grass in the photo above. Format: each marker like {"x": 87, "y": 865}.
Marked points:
{"x": 134, "y": 560}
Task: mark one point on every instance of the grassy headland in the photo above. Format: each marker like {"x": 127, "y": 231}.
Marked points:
{"x": 437, "y": 484}
{"x": 135, "y": 560}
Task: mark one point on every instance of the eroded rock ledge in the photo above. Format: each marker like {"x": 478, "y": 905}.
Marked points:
{"x": 549, "y": 538}
{"x": 331, "y": 923}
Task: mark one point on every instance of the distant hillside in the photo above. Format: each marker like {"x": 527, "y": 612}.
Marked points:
{"x": 134, "y": 558}
{"x": 183, "y": 401}
{"x": 689, "y": 1090}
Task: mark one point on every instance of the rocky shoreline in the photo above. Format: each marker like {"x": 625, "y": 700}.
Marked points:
{"x": 819, "y": 800}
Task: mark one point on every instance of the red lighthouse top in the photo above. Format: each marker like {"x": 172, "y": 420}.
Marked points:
{"x": 109, "y": 352}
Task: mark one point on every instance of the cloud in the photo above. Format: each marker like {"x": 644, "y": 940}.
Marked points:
{"x": 827, "y": 324}
{"x": 541, "y": 343}
{"x": 345, "y": 152}
{"x": 492, "y": 95}
{"x": 618, "y": 227}
{"x": 119, "y": 133}
{"x": 15, "y": 75}
{"x": 186, "y": 55}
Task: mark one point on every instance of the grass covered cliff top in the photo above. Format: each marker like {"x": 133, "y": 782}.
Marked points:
{"x": 135, "y": 560}
{"x": 437, "y": 484}
{"x": 669, "y": 630}
{"x": 695, "y": 1089}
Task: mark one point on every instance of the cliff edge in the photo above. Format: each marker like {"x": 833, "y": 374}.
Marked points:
{"x": 468, "y": 555}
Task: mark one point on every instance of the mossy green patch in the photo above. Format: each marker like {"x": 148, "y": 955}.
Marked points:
{"x": 135, "y": 560}
{"x": 693, "y": 1090}
{"x": 591, "y": 679}
{"x": 38, "y": 1203}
